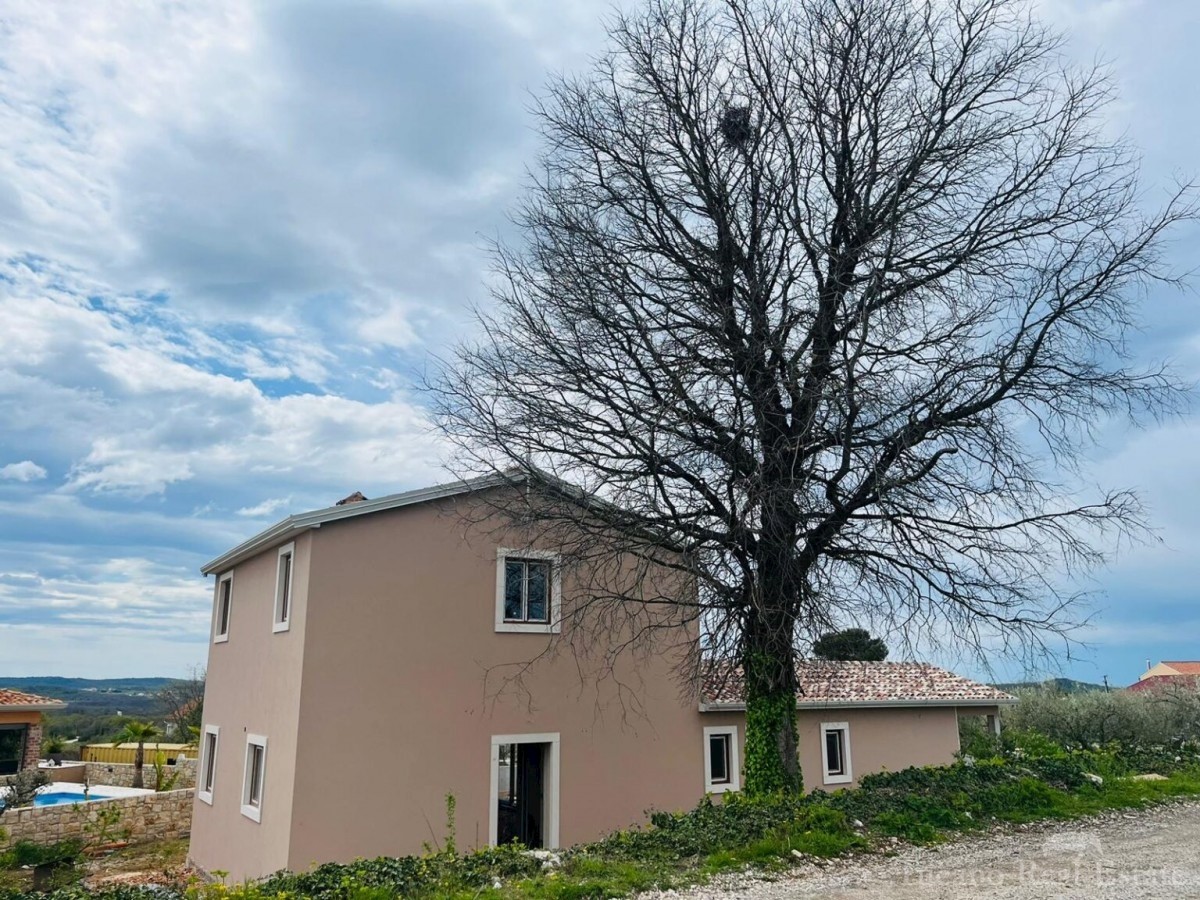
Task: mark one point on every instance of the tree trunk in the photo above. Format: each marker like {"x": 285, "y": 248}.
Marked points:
{"x": 139, "y": 760}
{"x": 772, "y": 753}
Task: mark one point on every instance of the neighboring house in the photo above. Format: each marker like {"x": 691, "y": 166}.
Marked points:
{"x": 1167, "y": 675}
{"x": 21, "y": 729}
{"x": 369, "y": 659}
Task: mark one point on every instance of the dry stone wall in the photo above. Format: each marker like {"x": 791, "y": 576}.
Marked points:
{"x": 150, "y": 817}
{"x": 121, "y": 774}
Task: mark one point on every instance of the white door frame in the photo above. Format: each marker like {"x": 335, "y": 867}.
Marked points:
{"x": 550, "y": 787}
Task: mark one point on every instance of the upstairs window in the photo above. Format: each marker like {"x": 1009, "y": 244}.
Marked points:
{"x": 283, "y": 588}
{"x": 835, "y": 752}
{"x": 224, "y": 608}
{"x": 527, "y": 591}
{"x": 721, "y": 769}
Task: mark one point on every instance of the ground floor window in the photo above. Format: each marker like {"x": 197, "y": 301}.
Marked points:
{"x": 524, "y": 795}
{"x": 208, "y": 763}
{"x": 255, "y": 776}
{"x": 12, "y": 748}
{"x": 835, "y": 752}
{"x": 722, "y": 771}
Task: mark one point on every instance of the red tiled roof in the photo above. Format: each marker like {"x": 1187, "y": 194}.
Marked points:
{"x": 824, "y": 683}
{"x": 1184, "y": 667}
{"x": 11, "y": 698}
{"x": 1163, "y": 682}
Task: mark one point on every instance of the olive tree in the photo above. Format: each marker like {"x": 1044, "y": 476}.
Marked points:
{"x": 826, "y": 297}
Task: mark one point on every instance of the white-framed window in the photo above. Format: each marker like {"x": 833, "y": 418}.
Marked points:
{"x": 208, "y": 763}
{"x": 223, "y": 609}
{"x": 254, "y": 776}
{"x": 528, "y": 591}
{"x": 722, "y": 769}
{"x": 835, "y": 752}
{"x": 283, "y": 588}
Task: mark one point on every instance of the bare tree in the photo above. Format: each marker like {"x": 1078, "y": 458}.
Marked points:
{"x": 182, "y": 705}
{"x": 829, "y": 295}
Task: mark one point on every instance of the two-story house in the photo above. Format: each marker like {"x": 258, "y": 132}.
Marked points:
{"x": 371, "y": 658}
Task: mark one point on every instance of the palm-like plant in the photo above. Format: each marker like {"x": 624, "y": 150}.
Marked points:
{"x": 138, "y": 733}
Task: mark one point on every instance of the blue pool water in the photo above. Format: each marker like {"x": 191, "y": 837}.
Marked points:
{"x": 57, "y": 798}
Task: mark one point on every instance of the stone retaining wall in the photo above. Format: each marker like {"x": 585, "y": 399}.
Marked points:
{"x": 121, "y": 774}
{"x": 150, "y": 817}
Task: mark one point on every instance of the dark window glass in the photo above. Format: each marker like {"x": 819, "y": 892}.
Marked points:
{"x": 718, "y": 759}
{"x": 256, "y": 774}
{"x": 223, "y": 609}
{"x": 210, "y": 761}
{"x": 12, "y": 749}
{"x": 285, "y": 575}
{"x": 835, "y": 752}
{"x": 514, "y": 578}
{"x": 538, "y": 591}
{"x": 526, "y": 591}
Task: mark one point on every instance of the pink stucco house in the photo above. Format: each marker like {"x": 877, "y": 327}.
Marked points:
{"x": 371, "y": 658}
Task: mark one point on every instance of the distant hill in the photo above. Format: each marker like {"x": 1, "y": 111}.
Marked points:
{"x": 130, "y": 696}
{"x": 1062, "y": 685}
{"x": 96, "y": 707}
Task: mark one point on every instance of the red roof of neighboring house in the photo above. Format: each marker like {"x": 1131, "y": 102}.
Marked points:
{"x": 1162, "y": 682}
{"x": 824, "y": 683}
{"x": 1185, "y": 667}
{"x": 11, "y": 699}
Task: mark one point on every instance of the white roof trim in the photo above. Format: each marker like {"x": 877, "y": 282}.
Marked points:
{"x": 739, "y": 706}
{"x": 288, "y": 528}
{"x": 33, "y": 707}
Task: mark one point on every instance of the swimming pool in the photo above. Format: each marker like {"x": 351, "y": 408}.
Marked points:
{"x": 57, "y": 798}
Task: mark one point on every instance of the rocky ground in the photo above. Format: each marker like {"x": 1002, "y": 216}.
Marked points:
{"x": 1117, "y": 856}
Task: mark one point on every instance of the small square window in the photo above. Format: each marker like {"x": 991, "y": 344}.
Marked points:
{"x": 721, "y": 770}
{"x": 224, "y": 608}
{"x": 254, "y": 777}
{"x": 527, "y": 591}
{"x": 283, "y": 587}
{"x": 835, "y": 752}
{"x": 208, "y": 764}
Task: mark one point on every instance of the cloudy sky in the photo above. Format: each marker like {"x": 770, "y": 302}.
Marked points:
{"x": 232, "y": 234}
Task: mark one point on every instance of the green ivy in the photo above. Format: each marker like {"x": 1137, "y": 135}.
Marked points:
{"x": 768, "y": 716}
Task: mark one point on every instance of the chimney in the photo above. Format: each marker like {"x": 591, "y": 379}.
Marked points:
{"x": 1148, "y": 666}
{"x": 356, "y": 497}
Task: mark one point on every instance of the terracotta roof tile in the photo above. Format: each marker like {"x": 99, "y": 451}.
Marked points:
{"x": 862, "y": 683}
{"x": 10, "y": 697}
{"x": 1184, "y": 667}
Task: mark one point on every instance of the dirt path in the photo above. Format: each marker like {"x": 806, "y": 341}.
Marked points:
{"x": 1120, "y": 856}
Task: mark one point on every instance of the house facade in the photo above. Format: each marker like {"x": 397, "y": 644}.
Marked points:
{"x": 371, "y": 659}
{"x": 1168, "y": 675}
{"x": 21, "y": 729}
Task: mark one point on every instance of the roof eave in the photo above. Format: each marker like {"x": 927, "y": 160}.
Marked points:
{"x": 739, "y": 706}
{"x": 32, "y": 707}
{"x": 293, "y": 525}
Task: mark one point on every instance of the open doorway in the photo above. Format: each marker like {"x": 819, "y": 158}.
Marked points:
{"x": 524, "y": 796}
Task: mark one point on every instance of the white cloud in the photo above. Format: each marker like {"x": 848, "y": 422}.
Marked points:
{"x": 25, "y": 470}
{"x": 264, "y": 509}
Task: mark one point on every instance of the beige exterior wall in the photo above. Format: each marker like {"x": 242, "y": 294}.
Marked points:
{"x": 884, "y": 739}
{"x": 393, "y": 666}
{"x": 403, "y": 668}
{"x": 254, "y": 688}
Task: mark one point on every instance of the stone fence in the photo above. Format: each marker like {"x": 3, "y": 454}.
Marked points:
{"x": 141, "y": 819}
{"x": 121, "y": 774}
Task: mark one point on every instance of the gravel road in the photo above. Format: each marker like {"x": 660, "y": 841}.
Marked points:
{"x": 1118, "y": 856}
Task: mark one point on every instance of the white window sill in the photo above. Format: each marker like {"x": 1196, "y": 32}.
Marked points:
{"x": 280, "y": 627}
{"x": 838, "y": 779}
{"x": 221, "y": 638}
{"x": 528, "y": 627}
{"x": 205, "y": 797}
{"x": 722, "y": 789}
{"x": 254, "y": 813}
